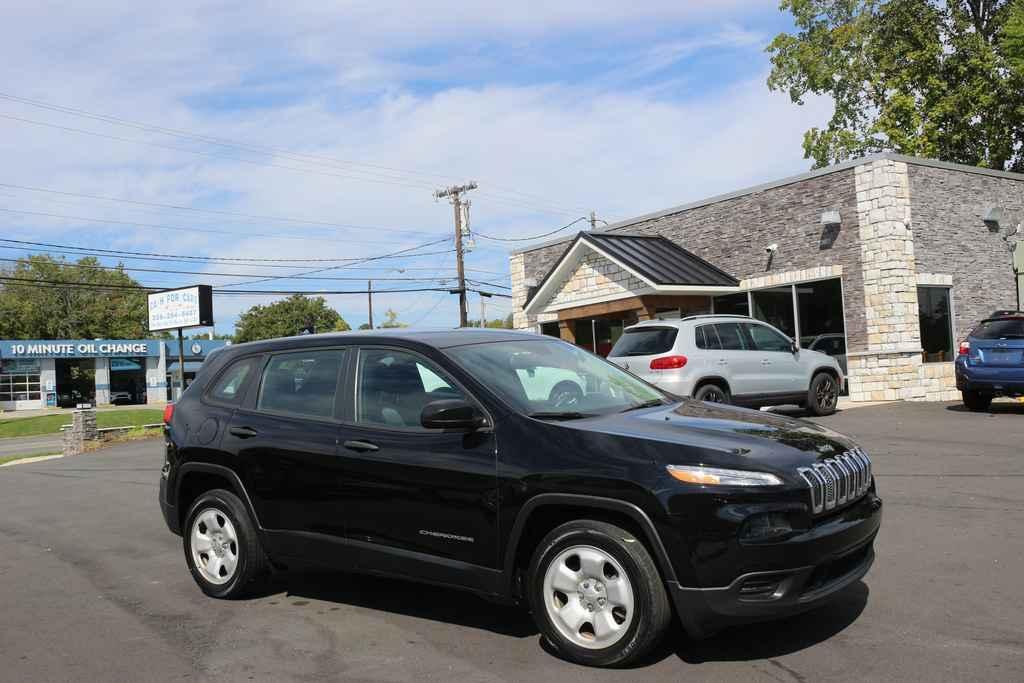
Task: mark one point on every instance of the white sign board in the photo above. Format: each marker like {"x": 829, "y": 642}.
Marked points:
{"x": 177, "y": 308}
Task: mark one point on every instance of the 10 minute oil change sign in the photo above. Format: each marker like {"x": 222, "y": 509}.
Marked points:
{"x": 179, "y": 308}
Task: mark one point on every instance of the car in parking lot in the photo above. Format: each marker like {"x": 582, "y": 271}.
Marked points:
{"x": 991, "y": 360}
{"x": 729, "y": 359}
{"x": 422, "y": 455}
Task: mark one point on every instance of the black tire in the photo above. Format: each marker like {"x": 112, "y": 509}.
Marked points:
{"x": 651, "y": 610}
{"x": 823, "y": 394}
{"x": 252, "y": 568}
{"x": 565, "y": 394}
{"x": 712, "y": 393}
{"x": 976, "y": 401}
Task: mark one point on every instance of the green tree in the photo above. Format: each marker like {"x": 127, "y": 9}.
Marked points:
{"x": 392, "y": 320}
{"x": 923, "y": 77}
{"x": 40, "y": 309}
{"x": 1013, "y": 37}
{"x": 496, "y": 323}
{"x": 288, "y": 317}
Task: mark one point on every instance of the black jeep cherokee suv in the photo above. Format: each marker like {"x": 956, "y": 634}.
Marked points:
{"x": 516, "y": 466}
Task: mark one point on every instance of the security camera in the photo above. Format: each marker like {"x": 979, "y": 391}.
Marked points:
{"x": 771, "y": 248}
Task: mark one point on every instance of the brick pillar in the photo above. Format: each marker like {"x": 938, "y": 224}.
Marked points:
{"x": 83, "y": 428}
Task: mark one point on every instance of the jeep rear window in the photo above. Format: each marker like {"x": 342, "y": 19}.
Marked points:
{"x": 1010, "y": 328}
{"x": 645, "y": 341}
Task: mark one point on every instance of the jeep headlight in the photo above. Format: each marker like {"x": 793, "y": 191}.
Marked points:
{"x": 714, "y": 476}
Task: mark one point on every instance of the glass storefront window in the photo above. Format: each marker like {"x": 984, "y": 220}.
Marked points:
{"x": 19, "y": 387}
{"x": 936, "y": 319}
{"x": 775, "y": 307}
{"x": 820, "y": 309}
{"x": 732, "y": 304}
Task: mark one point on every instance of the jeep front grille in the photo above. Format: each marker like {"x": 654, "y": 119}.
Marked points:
{"x": 836, "y": 481}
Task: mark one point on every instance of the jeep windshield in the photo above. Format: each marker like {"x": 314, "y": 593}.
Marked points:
{"x": 550, "y": 379}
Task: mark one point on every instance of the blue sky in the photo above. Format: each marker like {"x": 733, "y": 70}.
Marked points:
{"x": 349, "y": 114}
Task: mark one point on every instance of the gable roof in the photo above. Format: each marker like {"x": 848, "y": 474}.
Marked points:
{"x": 661, "y": 263}
{"x": 660, "y": 260}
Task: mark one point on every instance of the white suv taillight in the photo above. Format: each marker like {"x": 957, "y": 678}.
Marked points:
{"x": 668, "y": 363}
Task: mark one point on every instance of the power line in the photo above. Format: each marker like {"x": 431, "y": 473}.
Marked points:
{"x": 182, "y": 207}
{"x": 534, "y": 237}
{"x": 144, "y": 288}
{"x": 176, "y": 228}
{"x": 430, "y": 310}
{"x": 305, "y": 157}
{"x": 215, "y": 259}
{"x": 83, "y": 251}
{"x": 133, "y": 269}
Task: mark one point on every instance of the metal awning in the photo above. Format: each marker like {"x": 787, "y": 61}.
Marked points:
{"x": 660, "y": 264}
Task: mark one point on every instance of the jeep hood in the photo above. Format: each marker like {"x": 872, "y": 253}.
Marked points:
{"x": 723, "y": 435}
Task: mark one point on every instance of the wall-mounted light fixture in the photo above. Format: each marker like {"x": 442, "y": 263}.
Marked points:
{"x": 992, "y": 216}
{"x": 830, "y": 217}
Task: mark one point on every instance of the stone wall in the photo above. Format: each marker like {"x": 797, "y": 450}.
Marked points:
{"x": 732, "y": 234}
{"x": 596, "y": 279}
{"x": 951, "y": 238}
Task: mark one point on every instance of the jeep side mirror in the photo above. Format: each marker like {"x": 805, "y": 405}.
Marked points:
{"x": 452, "y": 414}
{"x": 793, "y": 348}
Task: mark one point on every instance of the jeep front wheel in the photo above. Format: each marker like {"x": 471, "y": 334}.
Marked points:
{"x": 596, "y": 594}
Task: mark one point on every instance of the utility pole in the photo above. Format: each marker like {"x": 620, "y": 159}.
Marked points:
{"x": 369, "y": 300}
{"x": 593, "y": 221}
{"x": 454, "y": 194}
{"x": 484, "y": 296}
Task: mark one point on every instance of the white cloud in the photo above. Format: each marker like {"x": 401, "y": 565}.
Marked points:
{"x": 344, "y": 81}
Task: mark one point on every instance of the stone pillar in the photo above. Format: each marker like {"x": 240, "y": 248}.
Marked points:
{"x": 83, "y": 428}
{"x": 890, "y": 367}
{"x": 102, "y": 388}
{"x": 517, "y": 272}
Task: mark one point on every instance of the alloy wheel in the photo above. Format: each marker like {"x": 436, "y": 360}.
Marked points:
{"x": 214, "y": 545}
{"x": 588, "y": 597}
{"x": 827, "y": 394}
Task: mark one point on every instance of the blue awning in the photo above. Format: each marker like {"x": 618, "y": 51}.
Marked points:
{"x": 190, "y": 366}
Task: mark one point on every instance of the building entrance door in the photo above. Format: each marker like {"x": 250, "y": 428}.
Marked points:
{"x": 76, "y": 381}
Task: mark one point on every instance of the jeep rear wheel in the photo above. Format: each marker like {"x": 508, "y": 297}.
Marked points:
{"x": 596, "y": 594}
{"x": 222, "y": 548}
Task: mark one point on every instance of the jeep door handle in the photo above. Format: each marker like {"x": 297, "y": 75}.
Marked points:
{"x": 766, "y": 362}
{"x": 242, "y": 432}
{"x": 722, "y": 361}
{"x": 361, "y": 446}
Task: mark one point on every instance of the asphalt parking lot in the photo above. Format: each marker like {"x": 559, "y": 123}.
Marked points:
{"x": 93, "y": 586}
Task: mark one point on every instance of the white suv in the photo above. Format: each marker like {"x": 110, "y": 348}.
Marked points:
{"x": 729, "y": 359}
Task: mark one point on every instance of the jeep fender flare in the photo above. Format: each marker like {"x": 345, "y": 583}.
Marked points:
{"x": 598, "y": 503}
{"x": 222, "y": 471}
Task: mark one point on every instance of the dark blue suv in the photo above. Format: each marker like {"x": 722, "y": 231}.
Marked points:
{"x": 991, "y": 361}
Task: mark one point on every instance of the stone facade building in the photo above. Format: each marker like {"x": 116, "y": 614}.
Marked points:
{"x": 888, "y": 261}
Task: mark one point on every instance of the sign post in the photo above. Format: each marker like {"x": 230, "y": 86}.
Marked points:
{"x": 177, "y": 309}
